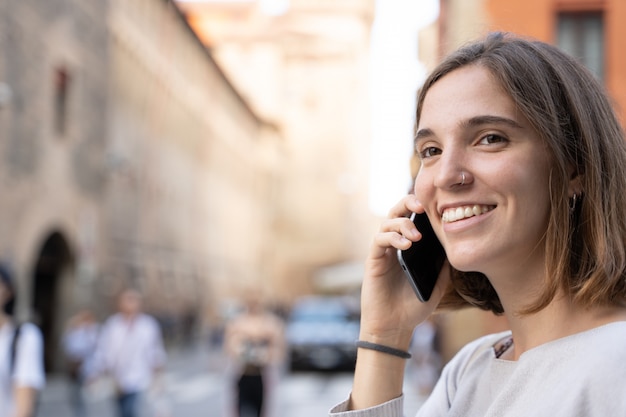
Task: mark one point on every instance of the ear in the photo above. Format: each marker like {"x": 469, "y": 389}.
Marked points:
{"x": 575, "y": 185}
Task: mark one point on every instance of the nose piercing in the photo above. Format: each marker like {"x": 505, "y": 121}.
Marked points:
{"x": 462, "y": 178}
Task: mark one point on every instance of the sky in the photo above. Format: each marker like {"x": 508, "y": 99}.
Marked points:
{"x": 395, "y": 76}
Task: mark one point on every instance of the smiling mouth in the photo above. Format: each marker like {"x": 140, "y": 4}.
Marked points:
{"x": 455, "y": 214}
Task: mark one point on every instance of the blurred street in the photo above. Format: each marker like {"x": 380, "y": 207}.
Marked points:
{"x": 195, "y": 386}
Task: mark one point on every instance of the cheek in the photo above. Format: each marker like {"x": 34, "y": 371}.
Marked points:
{"x": 529, "y": 188}
{"x": 424, "y": 194}
{"x": 423, "y": 187}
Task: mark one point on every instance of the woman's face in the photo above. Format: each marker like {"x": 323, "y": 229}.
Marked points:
{"x": 497, "y": 219}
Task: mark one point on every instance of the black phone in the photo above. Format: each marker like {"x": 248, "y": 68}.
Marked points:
{"x": 422, "y": 262}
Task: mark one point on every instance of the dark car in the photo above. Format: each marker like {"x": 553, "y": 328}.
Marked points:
{"x": 321, "y": 334}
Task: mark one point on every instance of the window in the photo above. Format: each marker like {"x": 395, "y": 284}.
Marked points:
{"x": 582, "y": 35}
{"x": 61, "y": 89}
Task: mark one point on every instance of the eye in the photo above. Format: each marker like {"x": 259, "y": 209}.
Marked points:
{"x": 492, "y": 138}
{"x": 429, "y": 152}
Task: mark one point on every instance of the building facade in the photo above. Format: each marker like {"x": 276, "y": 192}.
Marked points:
{"x": 588, "y": 29}
{"x": 128, "y": 159}
{"x": 53, "y": 175}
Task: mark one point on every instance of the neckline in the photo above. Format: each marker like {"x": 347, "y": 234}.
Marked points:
{"x": 502, "y": 346}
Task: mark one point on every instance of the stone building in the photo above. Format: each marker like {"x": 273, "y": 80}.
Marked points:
{"x": 128, "y": 159}
{"x": 53, "y": 133}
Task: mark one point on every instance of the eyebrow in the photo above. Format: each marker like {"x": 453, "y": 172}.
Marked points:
{"x": 474, "y": 122}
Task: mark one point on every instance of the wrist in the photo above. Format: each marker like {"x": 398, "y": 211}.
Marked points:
{"x": 388, "y": 350}
{"x": 378, "y": 378}
{"x": 396, "y": 339}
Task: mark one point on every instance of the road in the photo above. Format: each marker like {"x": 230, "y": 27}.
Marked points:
{"x": 195, "y": 386}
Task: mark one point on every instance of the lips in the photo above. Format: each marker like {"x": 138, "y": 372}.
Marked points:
{"x": 455, "y": 214}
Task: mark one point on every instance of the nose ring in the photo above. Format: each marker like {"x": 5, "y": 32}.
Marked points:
{"x": 462, "y": 178}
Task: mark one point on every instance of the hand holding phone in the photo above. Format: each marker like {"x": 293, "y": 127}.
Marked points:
{"x": 422, "y": 262}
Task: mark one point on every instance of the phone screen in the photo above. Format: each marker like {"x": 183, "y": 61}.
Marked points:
{"x": 423, "y": 261}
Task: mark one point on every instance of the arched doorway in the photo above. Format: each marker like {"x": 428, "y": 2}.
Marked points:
{"x": 52, "y": 266}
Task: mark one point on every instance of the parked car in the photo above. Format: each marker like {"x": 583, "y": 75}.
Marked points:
{"x": 321, "y": 334}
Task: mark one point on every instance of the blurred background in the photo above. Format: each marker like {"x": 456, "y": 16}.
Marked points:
{"x": 197, "y": 150}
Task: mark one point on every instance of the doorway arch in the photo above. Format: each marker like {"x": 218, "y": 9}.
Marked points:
{"x": 53, "y": 264}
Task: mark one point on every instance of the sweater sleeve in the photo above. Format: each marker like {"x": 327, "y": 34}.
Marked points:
{"x": 393, "y": 408}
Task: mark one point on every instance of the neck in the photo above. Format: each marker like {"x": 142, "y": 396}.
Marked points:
{"x": 129, "y": 316}
{"x": 561, "y": 318}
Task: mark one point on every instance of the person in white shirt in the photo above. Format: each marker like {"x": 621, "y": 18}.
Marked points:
{"x": 79, "y": 343}
{"x": 22, "y": 373}
{"x": 522, "y": 172}
{"x": 130, "y": 350}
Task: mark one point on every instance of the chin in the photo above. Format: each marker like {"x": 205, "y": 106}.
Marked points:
{"x": 464, "y": 264}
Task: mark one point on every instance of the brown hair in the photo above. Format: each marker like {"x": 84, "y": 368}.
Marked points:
{"x": 569, "y": 109}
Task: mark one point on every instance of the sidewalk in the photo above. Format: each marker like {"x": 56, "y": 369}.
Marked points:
{"x": 193, "y": 380}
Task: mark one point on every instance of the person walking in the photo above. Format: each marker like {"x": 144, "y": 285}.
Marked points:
{"x": 522, "y": 176}
{"x": 130, "y": 351}
{"x": 254, "y": 341}
{"x": 22, "y": 373}
{"x": 79, "y": 343}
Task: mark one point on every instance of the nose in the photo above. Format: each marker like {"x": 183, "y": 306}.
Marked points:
{"x": 450, "y": 171}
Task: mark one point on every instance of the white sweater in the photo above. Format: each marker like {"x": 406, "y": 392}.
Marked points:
{"x": 580, "y": 375}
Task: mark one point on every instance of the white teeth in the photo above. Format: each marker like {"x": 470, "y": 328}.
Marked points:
{"x": 452, "y": 215}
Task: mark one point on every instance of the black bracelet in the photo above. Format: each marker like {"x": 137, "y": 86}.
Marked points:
{"x": 382, "y": 348}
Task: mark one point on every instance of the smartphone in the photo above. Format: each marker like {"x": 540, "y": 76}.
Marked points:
{"x": 423, "y": 261}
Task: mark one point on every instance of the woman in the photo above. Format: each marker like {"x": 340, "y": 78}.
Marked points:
{"x": 254, "y": 342}
{"x": 21, "y": 349}
{"x": 522, "y": 175}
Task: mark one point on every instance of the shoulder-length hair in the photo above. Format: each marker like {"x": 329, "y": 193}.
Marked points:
{"x": 571, "y": 112}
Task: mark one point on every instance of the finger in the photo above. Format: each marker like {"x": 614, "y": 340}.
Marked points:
{"x": 405, "y": 207}
{"x": 388, "y": 240}
{"x": 402, "y": 226}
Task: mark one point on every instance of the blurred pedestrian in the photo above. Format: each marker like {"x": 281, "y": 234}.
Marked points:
{"x": 22, "y": 373}
{"x": 130, "y": 351}
{"x": 79, "y": 342}
{"x": 254, "y": 341}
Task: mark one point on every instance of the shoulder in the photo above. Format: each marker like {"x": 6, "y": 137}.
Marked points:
{"x": 148, "y": 318}
{"x": 602, "y": 346}
{"x": 598, "y": 342}
{"x": 113, "y": 319}
{"x": 30, "y": 331}
{"x": 615, "y": 330}
{"x": 148, "y": 321}
{"x": 474, "y": 355}
{"x": 29, "y": 343}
